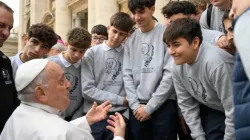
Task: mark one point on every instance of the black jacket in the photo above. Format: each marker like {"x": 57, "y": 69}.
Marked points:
{"x": 8, "y": 94}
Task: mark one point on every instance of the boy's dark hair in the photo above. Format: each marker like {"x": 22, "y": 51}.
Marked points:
{"x": 100, "y": 30}
{"x": 122, "y": 21}
{"x": 225, "y": 17}
{"x": 79, "y": 38}
{"x": 5, "y": 6}
{"x": 186, "y": 28}
{"x": 176, "y": 7}
{"x": 43, "y": 33}
{"x": 133, "y": 5}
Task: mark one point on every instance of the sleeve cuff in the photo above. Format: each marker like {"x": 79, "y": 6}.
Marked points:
{"x": 135, "y": 106}
{"x": 119, "y": 100}
{"x": 82, "y": 123}
{"x": 118, "y": 138}
{"x": 148, "y": 109}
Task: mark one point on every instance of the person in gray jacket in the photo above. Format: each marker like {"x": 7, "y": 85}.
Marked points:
{"x": 202, "y": 78}
{"x": 147, "y": 77}
{"x": 102, "y": 76}
{"x": 180, "y": 9}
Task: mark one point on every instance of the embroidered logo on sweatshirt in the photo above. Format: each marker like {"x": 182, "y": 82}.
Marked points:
{"x": 198, "y": 88}
{"x": 6, "y": 76}
{"x": 73, "y": 81}
{"x": 113, "y": 67}
{"x": 148, "y": 53}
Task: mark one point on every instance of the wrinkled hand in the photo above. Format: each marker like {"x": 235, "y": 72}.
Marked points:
{"x": 98, "y": 113}
{"x": 117, "y": 125}
{"x": 141, "y": 115}
{"x": 183, "y": 125}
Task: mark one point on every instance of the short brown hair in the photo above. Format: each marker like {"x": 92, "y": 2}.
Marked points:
{"x": 43, "y": 33}
{"x": 79, "y": 38}
{"x": 122, "y": 21}
{"x": 200, "y": 4}
{"x": 185, "y": 28}
{"x": 5, "y": 6}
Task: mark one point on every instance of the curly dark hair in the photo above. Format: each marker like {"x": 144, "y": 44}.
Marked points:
{"x": 79, "y": 38}
{"x": 43, "y": 33}
{"x": 176, "y": 7}
{"x": 100, "y": 30}
{"x": 122, "y": 21}
{"x": 133, "y": 5}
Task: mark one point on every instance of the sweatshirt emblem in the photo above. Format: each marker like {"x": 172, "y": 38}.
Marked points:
{"x": 6, "y": 76}
{"x": 198, "y": 88}
{"x": 113, "y": 67}
{"x": 148, "y": 53}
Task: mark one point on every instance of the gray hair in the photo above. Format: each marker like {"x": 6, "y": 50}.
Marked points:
{"x": 27, "y": 94}
{"x": 59, "y": 47}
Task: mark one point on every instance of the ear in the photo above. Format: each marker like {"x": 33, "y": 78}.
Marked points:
{"x": 40, "y": 95}
{"x": 66, "y": 44}
{"x": 152, "y": 9}
{"x": 196, "y": 43}
{"x": 108, "y": 28}
{"x": 25, "y": 39}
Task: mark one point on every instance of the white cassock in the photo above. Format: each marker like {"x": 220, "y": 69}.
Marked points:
{"x": 33, "y": 121}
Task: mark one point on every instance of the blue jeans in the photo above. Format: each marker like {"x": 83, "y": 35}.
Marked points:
{"x": 213, "y": 122}
{"x": 163, "y": 124}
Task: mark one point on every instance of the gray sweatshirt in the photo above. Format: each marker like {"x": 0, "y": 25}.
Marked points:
{"x": 207, "y": 81}
{"x": 73, "y": 74}
{"x": 147, "y": 69}
{"x": 102, "y": 77}
{"x": 211, "y": 36}
{"x": 216, "y": 19}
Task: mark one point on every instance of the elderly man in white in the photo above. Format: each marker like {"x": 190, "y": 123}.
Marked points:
{"x": 44, "y": 91}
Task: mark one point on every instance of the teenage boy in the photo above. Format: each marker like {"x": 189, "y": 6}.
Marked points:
{"x": 8, "y": 94}
{"x": 147, "y": 77}
{"x": 102, "y": 76}
{"x": 99, "y": 33}
{"x": 78, "y": 41}
{"x": 211, "y": 18}
{"x": 38, "y": 43}
{"x": 182, "y": 9}
{"x": 202, "y": 77}
{"x": 228, "y": 28}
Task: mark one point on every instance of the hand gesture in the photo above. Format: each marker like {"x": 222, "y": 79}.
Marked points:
{"x": 117, "y": 125}
{"x": 98, "y": 113}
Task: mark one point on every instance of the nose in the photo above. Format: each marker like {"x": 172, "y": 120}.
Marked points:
{"x": 230, "y": 36}
{"x": 68, "y": 85}
{"x": 171, "y": 50}
{"x": 137, "y": 16}
{"x": 232, "y": 14}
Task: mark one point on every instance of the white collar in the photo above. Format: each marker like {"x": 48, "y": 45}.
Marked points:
{"x": 107, "y": 48}
{"x": 156, "y": 23}
{"x": 44, "y": 107}
{"x": 17, "y": 59}
{"x": 66, "y": 63}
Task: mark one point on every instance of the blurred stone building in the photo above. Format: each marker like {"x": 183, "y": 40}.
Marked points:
{"x": 62, "y": 15}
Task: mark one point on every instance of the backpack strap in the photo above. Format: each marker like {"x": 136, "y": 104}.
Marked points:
{"x": 209, "y": 12}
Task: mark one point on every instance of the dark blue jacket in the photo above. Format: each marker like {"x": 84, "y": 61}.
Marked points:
{"x": 241, "y": 91}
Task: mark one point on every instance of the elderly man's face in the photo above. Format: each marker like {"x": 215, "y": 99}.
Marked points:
{"x": 6, "y": 24}
{"x": 57, "y": 91}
